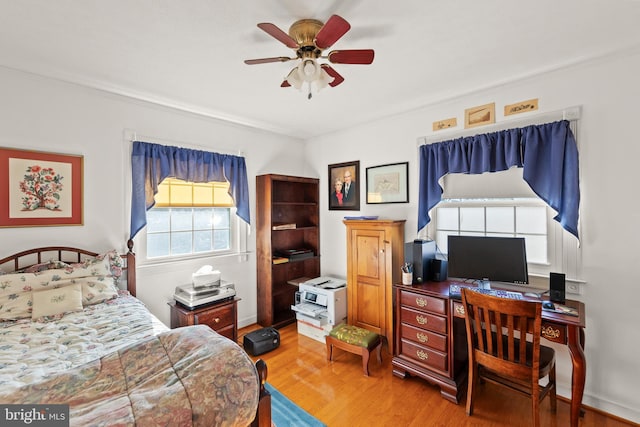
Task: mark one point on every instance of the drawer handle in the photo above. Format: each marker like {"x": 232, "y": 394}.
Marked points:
{"x": 422, "y": 337}
{"x": 550, "y": 332}
{"x": 216, "y": 320}
{"x": 421, "y": 302}
{"x": 460, "y": 310}
{"x": 421, "y": 319}
{"x": 422, "y": 355}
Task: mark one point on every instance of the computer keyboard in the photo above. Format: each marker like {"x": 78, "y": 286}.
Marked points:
{"x": 454, "y": 291}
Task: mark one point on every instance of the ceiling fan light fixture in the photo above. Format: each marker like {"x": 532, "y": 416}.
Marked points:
{"x": 323, "y": 80}
{"x": 293, "y": 78}
{"x": 309, "y": 70}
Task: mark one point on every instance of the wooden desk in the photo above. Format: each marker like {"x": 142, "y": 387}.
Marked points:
{"x": 430, "y": 339}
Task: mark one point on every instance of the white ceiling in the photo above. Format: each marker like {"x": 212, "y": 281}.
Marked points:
{"x": 189, "y": 54}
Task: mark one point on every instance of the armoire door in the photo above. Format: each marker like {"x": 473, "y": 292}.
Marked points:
{"x": 368, "y": 295}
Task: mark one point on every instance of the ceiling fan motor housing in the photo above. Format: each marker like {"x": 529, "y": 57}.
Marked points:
{"x": 304, "y": 32}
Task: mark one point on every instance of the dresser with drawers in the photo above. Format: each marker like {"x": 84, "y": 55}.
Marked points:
{"x": 429, "y": 339}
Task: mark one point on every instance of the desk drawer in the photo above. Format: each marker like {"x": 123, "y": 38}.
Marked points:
{"x": 422, "y": 302}
{"x": 554, "y": 332}
{"x": 458, "y": 310}
{"x": 424, "y": 337}
{"x": 216, "y": 319}
{"x": 423, "y": 320}
{"x": 424, "y": 355}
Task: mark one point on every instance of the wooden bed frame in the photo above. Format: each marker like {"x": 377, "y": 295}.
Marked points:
{"x": 68, "y": 254}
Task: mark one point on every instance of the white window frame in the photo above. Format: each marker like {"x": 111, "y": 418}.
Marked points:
{"x": 563, "y": 253}
{"x": 238, "y": 241}
{"x": 238, "y": 230}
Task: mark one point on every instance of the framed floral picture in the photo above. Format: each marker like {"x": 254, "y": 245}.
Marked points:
{"x": 40, "y": 189}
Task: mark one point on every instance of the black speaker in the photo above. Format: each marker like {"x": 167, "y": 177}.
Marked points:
{"x": 438, "y": 270}
{"x": 557, "y": 287}
{"x": 419, "y": 253}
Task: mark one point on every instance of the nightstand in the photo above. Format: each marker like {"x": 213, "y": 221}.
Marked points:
{"x": 222, "y": 317}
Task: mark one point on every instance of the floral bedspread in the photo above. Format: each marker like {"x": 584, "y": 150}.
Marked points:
{"x": 182, "y": 377}
{"x": 33, "y": 351}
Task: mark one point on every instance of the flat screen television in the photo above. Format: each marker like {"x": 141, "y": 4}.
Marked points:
{"x": 499, "y": 259}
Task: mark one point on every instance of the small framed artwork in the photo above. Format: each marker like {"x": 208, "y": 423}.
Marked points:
{"x": 388, "y": 183}
{"x": 480, "y": 116}
{"x": 344, "y": 190}
{"x": 40, "y": 189}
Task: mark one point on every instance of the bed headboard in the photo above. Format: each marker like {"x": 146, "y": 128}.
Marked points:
{"x": 67, "y": 254}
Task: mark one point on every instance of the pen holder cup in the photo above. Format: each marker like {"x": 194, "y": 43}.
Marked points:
{"x": 407, "y": 278}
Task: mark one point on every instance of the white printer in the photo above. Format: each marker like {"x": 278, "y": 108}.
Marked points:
{"x": 321, "y": 304}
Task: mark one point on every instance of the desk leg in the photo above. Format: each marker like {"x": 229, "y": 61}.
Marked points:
{"x": 578, "y": 376}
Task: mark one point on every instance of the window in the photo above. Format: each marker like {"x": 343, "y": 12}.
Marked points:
{"x": 530, "y": 218}
{"x": 191, "y": 219}
{"x": 496, "y": 218}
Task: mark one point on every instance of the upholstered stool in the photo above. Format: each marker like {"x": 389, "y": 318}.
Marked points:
{"x": 354, "y": 340}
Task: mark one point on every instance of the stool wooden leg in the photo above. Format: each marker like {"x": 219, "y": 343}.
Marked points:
{"x": 329, "y": 348}
{"x": 379, "y": 352}
{"x": 365, "y": 360}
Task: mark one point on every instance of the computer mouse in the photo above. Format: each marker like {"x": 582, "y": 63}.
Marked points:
{"x": 548, "y": 305}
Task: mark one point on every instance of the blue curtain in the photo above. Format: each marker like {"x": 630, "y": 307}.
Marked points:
{"x": 547, "y": 153}
{"x": 151, "y": 163}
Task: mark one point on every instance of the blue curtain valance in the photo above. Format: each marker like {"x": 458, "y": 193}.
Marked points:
{"x": 151, "y": 163}
{"x": 547, "y": 153}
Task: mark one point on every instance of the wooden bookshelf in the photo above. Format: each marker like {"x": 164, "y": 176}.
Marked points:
{"x": 287, "y": 218}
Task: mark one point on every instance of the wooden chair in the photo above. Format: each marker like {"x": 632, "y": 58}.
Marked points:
{"x": 499, "y": 351}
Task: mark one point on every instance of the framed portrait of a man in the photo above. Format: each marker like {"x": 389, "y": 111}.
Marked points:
{"x": 344, "y": 187}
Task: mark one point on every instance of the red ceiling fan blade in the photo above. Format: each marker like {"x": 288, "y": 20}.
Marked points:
{"x": 267, "y": 60}
{"x": 331, "y": 31}
{"x": 278, "y": 34}
{"x": 337, "y": 78}
{"x": 355, "y": 56}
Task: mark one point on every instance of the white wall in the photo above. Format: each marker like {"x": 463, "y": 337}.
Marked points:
{"x": 608, "y": 92}
{"x": 46, "y": 115}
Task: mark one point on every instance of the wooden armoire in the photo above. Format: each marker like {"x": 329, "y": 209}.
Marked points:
{"x": 375, "y": 254}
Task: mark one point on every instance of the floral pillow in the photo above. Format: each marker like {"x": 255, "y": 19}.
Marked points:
{"x": 15, "y": 295}
{"x": 95, "y": 289}
{"x": 49, "y": 265}
{"x": 110, "y": 260}
{"x": 57, "y": 301}
{"x": 96, "y": 277}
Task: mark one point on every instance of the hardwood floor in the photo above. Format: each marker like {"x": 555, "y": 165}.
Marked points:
{"x": 338, "y": 394}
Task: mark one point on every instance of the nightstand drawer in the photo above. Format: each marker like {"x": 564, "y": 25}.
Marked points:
{"x": 423, "y": 302}
{"x": 216, "y": 319}
{"x": 425, "y": 338}
{"x": 423, "y": 320}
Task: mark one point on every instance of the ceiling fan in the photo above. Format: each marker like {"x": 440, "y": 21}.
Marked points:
{"x": 309, "y": 37}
